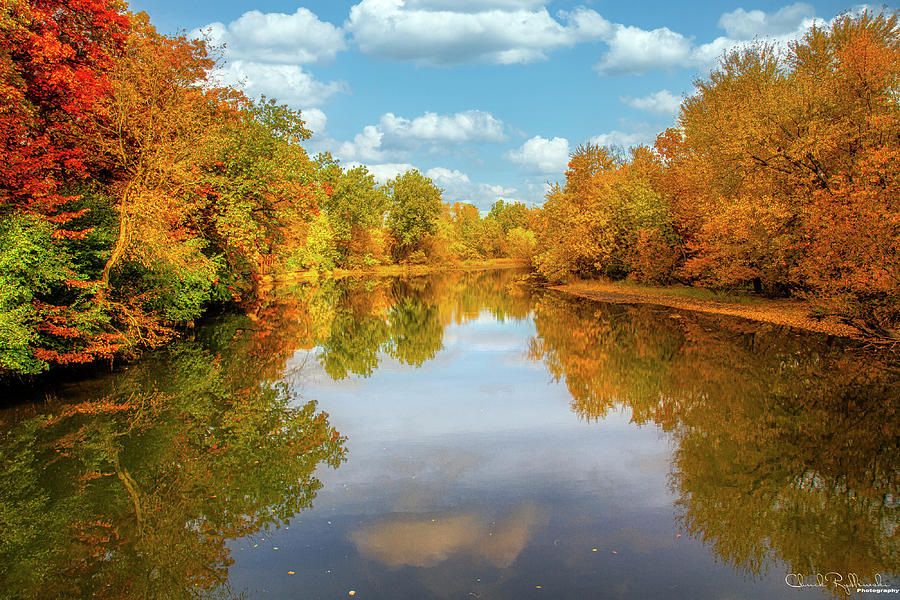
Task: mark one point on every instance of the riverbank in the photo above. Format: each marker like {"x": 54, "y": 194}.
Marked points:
{"x": 783, "y": 311}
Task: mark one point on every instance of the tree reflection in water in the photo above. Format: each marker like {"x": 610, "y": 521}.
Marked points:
{"x": 134, "y": 491}
{"x": 132, "y": 485}
{"x": 787, "y": 445}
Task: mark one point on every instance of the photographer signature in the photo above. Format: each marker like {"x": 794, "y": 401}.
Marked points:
{"x": 833, "y": 579}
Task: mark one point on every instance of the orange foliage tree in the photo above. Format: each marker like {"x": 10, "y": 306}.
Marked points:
{"x": 784, "y": 170}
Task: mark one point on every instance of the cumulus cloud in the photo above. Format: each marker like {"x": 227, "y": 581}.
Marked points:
{"x": 542, "y": 155}
{"x": 315, "y": 121}
{"x": 288, "y": 84}
{"x": 385, "y": 171}
{"x": 744, "y": 25}
{"x": 662, "y": 102}
{"x": 264, "y": 54}
{"x": 443, "y": 176}
{"x": 622, "y": 139}
{"x": 365, "y": 146}
{"x": 449, "y": 32}
{"x": 468, "y": 126}
{"x": 475, "y": 5}
{"x": 277, "y": 37}
{"x": 635, "y": 50}
{"x": 394, "y": 135}
{"x": 441, "y": 32}
{"x": 458, "y": 187}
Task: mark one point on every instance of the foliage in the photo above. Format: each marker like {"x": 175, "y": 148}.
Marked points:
{"x": 356, "y": 206}
{"x": 606, "y": 218}
{"x": 136, "y": 490}
{"x": 782, "y": 174}
{"x": 144, "y": 192}
{"x": 776, "y": 458}
{"x": 414, "y": 210}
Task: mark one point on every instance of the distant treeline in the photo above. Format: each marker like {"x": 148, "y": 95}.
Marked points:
{"x": 135, "y": 191}
{"x": 782, "y": 175}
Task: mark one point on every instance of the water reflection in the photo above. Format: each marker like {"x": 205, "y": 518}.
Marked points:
{"x": 426, "y": 541}
{"x": 134, "y": 490}
{"x": 356, "y": 323}
{"x": 785, "y": 449}
{"x": 787, "y": 446}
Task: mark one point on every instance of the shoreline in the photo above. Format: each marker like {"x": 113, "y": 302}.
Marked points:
{"x": 789, "y": 312}
{"x": 395, "y": 270}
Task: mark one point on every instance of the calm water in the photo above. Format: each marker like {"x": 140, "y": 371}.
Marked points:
{"x": 460, "y": 436}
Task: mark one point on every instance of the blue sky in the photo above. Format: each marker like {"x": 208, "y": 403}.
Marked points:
{"x": 487, "y": 97}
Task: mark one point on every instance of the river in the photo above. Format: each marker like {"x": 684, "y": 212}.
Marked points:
{"x": 460, "y": 435}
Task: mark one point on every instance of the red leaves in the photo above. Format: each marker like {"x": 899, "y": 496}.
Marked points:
{"x": 56, "y": 52}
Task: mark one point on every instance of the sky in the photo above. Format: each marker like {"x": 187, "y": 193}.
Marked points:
{"x": 488, "y": 98}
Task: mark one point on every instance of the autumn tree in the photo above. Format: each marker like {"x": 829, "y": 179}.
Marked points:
{"x": 789, "y": 158}
{"x": 54, "y": 63}
{"x": 54, "y": 58}
{"x": 608, "y": 220}
{"x": 166, "y": 193}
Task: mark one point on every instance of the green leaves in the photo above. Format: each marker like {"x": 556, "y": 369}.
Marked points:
{"x": 415, "y": 207}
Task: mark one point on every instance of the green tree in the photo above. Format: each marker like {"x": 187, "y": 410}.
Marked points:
{"x": 356, "y": 205}
{"x": 415, "y": 208}
{"x": 509, "y": 214}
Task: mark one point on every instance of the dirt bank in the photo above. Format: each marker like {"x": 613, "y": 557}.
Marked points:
{"x": 791, "y": 312}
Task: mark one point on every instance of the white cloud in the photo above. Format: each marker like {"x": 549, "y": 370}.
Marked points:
{"x": 634, "y": 50}
{"x": 459, "y": 188}
{"x": 662, "y": 102}
{"x": 264, "y": 53}
{"x": 468, "y": 126}
{"x": 384, "y": 171}
{"x": 440, "y": 32}
{"x": 474, "y": 5}
{"x": 744, "y": 25}
{"x": 622, "y": 139}
{"x": 443, "y": 176}
{"x": 394, "y": 136}
{"x": 288, "y": 84}
{"x": 365, "y": 146}
{"x": 542, "y": 155}
{"x": 276, "y": 37}
{"x": 588, "y": 24}
{"x": 448, "y": 32}
{"x": 315, "y": 121}
{"x": 491, "y": 193}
